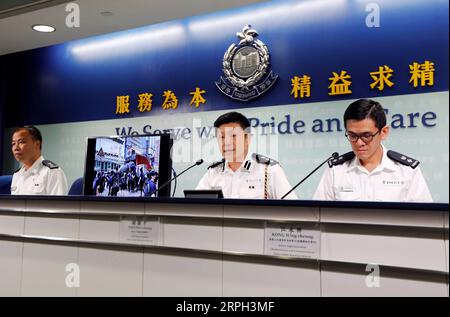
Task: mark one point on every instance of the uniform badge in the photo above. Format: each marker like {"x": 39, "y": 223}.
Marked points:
{"x": 246, "y": 68}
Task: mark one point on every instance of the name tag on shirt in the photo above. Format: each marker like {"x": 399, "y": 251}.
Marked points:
{"x": 393, "y": 182}
{"x": 347, "y": 189}
{"x": 253, "y": 183}
{"x": 37, "y": 188}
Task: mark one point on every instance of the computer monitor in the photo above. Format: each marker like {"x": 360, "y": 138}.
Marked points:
{"x": 203, "y": 193}
{"x": 128, "y": 166}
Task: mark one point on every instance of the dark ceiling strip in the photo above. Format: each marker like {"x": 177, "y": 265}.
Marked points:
{"x": 32, "y": 6}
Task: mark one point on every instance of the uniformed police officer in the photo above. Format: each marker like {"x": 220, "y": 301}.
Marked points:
{"x": 370, "y": 172}
{"x": 241, "y": 174}
{"x": 36, "y": 176}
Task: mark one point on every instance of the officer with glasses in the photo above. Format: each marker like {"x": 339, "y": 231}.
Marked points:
{"x": 370, "y": 172}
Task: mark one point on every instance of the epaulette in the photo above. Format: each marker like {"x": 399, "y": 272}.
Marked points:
{"x": 264, "y": 159}
{"x": 215, "y": 164}
{"x": 403, "y": 159}
{"x": 341, "y": 159}
{"x": 49, "y": 164}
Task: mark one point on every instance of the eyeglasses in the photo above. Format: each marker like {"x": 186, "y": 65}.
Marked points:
{"x": 365, "y": 137}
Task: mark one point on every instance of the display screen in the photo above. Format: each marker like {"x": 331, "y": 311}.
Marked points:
{"x": 129, "y": 166}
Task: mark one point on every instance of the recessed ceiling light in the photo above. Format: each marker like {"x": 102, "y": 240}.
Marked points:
{"x": 106, "y": 13}
{"x": 43, "y": 28}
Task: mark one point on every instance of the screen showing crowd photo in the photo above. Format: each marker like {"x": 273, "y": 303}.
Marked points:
{"x": 131, "y": 166}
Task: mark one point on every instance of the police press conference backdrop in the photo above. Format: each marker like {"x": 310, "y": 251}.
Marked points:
{"x": 303, "y": 62}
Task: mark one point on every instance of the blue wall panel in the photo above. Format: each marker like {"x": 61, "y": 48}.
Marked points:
{"x": 79, "y": 80}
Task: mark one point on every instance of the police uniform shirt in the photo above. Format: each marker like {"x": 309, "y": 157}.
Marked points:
{"x": 249, "y": 180}
{"x": 390, "y": 181}
{"x": 42, "y": 178}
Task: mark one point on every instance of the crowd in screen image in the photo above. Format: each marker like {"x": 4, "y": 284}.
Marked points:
{"x": 126, "y": 167}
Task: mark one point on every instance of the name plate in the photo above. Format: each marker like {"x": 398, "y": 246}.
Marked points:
{"x": 292, "y": 239}
{"x": 140, "y": 229}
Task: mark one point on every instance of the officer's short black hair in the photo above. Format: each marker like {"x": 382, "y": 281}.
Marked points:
{"x": 33, "y": 131}
{"x": 233, "y": 117}
{"x": 366, "y": 109}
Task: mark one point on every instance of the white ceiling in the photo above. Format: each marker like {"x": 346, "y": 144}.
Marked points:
{"x": 15, "y": 25}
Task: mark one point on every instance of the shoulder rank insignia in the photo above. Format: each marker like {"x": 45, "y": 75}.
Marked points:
{"x": 403, "y": 159}
{"x": 215, "y": 164}
{"x": 49, "y": 164}
{"x": 341, "y": 159}
{"x": 264, "y": 159}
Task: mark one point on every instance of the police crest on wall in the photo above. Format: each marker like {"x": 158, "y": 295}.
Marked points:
{"x": 245, "y": 68}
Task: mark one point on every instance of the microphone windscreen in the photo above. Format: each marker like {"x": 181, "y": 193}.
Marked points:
{"x": 200, "y": 161}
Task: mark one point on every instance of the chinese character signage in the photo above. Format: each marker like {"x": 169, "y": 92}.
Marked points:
{"x": 292, "y": 239}
{"x": 140, "y": 230}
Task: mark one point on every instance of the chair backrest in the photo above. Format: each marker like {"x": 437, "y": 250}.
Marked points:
{"x": 5, "y": 184}
{"x": 77, "y": 187}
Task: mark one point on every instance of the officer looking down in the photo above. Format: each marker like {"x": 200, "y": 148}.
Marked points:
{"x": 241, "y": 174}
{"x": 370, "y": 172}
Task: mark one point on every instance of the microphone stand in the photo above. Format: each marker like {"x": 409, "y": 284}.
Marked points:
{"x": 334, "y": 155}
{"x": 176, "y": 176}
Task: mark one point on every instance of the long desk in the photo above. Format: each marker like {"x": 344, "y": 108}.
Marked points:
{"x": 217, "y": 248}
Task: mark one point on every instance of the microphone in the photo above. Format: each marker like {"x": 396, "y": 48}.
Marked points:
{"x": 333, "y": 156}
{"x": 199, "y": 162}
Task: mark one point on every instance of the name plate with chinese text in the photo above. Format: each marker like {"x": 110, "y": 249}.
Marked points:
{"x": 140, "y": 229}
{"x": 292, "y": 239}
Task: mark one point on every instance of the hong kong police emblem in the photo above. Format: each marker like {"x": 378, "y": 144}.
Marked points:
{"x": 245, "y": 67}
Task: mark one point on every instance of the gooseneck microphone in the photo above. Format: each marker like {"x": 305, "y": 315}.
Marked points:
{"x": 333, "y": 156}
{"x": 199, "y": 162}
